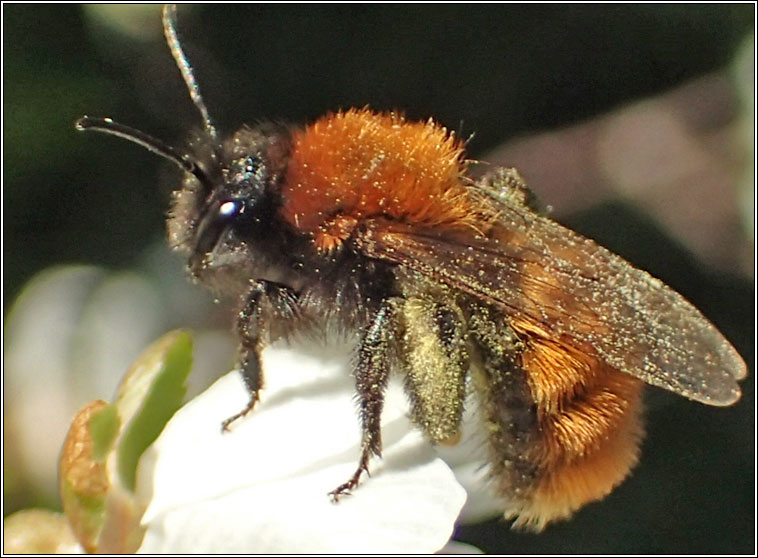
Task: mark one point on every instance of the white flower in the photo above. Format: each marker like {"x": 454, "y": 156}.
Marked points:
{"x": 263, "y": 487}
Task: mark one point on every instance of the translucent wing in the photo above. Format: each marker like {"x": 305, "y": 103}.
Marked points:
{"x": 551, "y": 281}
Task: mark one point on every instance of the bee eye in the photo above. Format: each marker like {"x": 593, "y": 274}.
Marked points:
{"x": 230, "y": 208}
{"x": 210, "y": 229}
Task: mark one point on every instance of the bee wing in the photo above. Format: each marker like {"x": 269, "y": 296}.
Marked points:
{"x": 553, "y": 282}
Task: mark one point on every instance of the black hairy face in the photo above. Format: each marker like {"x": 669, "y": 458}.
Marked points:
{"x": 211, "y": 221}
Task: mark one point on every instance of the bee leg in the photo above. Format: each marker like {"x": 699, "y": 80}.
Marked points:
{"x": 506, "y": 404}
{"x": 265, "y": 301}
{"x": 435, "y": 357}
{"x": 371, "y": 374}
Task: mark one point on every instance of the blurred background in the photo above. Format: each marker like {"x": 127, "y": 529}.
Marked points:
{"x": 634, "y": 124}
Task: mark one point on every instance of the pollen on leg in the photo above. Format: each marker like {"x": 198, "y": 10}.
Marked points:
{"x": 453, "y": 440}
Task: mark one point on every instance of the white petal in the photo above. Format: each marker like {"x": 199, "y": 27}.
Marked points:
{"x": 263, "y": 487}
{"x": 40, "y": 329}
{"x": 470, "y": 461}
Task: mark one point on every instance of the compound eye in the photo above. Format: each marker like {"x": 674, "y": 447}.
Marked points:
{"x": 214, "y": 224}
{"x": 230, "y": 209}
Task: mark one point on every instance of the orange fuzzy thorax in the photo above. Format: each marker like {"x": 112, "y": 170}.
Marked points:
{"x": 360, "y": 164}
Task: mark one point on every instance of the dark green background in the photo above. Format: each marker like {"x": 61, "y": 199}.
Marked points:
{"x": 497, "y": 70}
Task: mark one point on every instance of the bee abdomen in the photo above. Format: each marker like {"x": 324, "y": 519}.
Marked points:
{"x": 563, "y": 428}
{"x": 589, "y": 431}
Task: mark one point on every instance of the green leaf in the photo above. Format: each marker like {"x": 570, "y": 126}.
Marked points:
{"x": 103, "y": 427}
{"x": 158, "y": 377}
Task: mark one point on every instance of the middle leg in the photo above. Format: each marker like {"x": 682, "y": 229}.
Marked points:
{"x": 371, "y": 375}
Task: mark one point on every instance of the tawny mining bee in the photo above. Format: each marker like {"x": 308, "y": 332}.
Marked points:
{"x": 367, "y": 222}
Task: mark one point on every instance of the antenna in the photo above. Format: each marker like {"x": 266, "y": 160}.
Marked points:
{"x": 108, "y": 126}
{"x": 184, "y": 161}
{"x": 169, "y": 29}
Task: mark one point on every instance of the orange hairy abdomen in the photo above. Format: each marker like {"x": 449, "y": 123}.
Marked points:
{"x": 590, "y": 429}
{"x": 359, "y": 164}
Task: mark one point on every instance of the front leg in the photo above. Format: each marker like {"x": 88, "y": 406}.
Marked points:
{"x": 264, "y": 302}
{"x": 371, "y": 375}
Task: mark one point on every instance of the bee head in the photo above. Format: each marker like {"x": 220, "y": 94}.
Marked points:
{"x": 212, "y": 218}
{"x": 230, "y": 188}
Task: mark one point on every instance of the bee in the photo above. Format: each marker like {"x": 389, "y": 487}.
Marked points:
{"x": 364, "y": 221}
